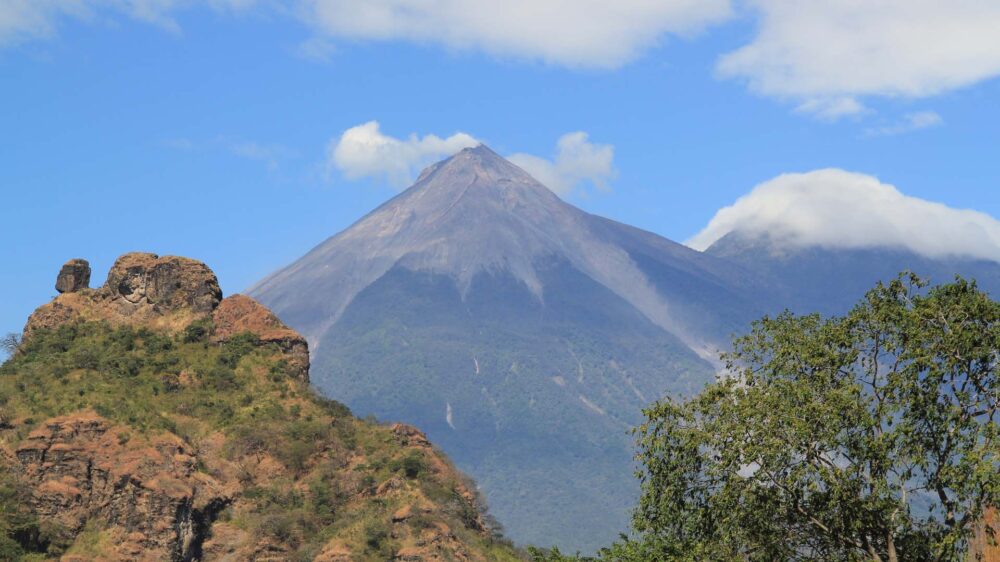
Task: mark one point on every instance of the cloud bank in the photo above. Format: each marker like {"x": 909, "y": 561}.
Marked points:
{"x": 826, "y": 53}
{"x": 838, "y": 209}
{"x": 365, "y": 151}
{"x": 577, "y": 161}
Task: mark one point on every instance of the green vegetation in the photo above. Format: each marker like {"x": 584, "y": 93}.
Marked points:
{"x": 871, "y": 437}
{"x": 152, "y": 382}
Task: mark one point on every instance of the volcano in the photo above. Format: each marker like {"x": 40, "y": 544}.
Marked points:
{"x": 522, "y": 334}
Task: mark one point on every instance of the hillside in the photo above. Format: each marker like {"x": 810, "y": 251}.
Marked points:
{"x": 150, "y": 419}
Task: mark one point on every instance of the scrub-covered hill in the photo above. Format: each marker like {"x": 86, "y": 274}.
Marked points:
{"x": 150, "y": 419}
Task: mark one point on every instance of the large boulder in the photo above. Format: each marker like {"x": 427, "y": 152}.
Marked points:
{"x": 168, "y": 282}
{"x": 74, "y": 276}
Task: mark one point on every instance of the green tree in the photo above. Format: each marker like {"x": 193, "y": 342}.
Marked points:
{"x": 871, "y": 436}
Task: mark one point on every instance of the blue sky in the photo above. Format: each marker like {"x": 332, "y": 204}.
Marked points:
{"x": 206, "y": 130}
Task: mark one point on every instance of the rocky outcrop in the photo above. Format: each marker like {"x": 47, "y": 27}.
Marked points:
{"x": 74, "y": 276}
{"x": 223, "y": 461}
{"x": 149, "y": 492}
{"x": 141, "y": 289}
{"x": 240, "y": 314}
{"x": 166, "y": 284}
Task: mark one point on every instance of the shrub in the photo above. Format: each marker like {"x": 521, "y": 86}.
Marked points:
{"x": 197, "y": 331}
{"x": 412, "y": 464}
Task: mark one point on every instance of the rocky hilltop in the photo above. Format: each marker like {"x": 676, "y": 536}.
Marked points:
{"x": 151, "y": 419}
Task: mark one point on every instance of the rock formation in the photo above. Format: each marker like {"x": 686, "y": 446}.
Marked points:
{"x": 166, "y": 283}
{"x": 74, "y": 276}
{"x": 141, "y": 289}
{"x": 166, "y": 292}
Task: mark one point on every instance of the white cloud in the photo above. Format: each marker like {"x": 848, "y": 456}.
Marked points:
{"x": 910, "y": 122}
{"x": 842, "y": 49}
{"x": 838, "y": 209}
{"x": 364, "y": 151}
{"x": 577, "y": 161}
{"x": 579, "y": 33}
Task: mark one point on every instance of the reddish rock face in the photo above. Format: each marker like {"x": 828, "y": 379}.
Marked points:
{"x": 240, "y": 314}
{"x": 82, "y": 466}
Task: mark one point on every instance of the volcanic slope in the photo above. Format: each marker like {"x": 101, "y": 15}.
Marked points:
{"x": 523, "y": 334}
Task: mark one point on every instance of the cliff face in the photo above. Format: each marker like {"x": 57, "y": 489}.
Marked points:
{"x": 150, "y": 419}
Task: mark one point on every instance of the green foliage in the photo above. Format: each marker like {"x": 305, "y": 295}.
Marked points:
{"x": 377, "y": 538}
{"x": 22, "y": 535}
{"x": 153, "y": 382}
{"x": 411, "y": 464}
{"x": 197, "y": 331}
{"x": 871, "y": 436}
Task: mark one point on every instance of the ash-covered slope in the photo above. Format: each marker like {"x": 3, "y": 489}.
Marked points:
{"x": 523, "y": 334}
{"x": 477, "y": 212}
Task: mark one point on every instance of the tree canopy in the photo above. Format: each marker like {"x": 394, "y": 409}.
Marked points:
{"x": 871, "y": 436}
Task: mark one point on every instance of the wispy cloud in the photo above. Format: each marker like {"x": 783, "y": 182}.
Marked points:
{"x": 831, "y": 109}
{"x": 909, "y": 123}
{"x": 589, "y": 34}
{"x": 25, "y": 20}
{"x": 574, "y": 33}
{"x": 317, "y": 48}
{"x": 269, "y": 154}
